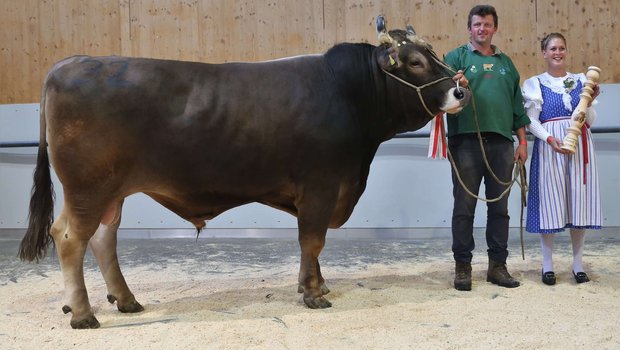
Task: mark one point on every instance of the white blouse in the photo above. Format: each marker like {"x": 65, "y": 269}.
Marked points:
{"x": 532, "y": 96}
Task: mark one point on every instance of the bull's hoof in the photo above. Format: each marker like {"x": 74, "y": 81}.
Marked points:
{"x": 131, "y": 307}
{"x": 88, "y": 323}
{"x": 317, "y": 303}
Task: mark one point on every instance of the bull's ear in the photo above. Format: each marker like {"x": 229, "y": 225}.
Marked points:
{"x": 387, "y": 57}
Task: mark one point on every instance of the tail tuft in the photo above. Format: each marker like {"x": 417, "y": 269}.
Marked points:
{"x": 37, "y": 239}
{"x": 41, "y": 215}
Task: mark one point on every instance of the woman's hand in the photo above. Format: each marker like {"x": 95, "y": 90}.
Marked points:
{"x": 556, "y": 145}
{"x": 597, "y": 91}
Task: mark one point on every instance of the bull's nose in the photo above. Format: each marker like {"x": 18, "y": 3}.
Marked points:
{"x": 462, "y": 95}
{"x": 458, "y": 93}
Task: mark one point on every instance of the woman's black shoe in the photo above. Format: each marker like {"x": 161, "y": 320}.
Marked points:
{"x": 548, "y": 278}
{"x": 581, "y": 277}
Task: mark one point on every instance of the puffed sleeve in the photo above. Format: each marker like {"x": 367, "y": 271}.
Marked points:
{"x": 532, "y": 98}
{"x": 591, "y": 114}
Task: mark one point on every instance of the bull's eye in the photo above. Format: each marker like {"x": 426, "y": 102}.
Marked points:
{"x": 415, "y": 63}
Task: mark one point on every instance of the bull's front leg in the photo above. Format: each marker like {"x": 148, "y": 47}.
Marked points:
{"x": 311, "y": 282}
{"x": 103, "y": 245}
{"x": 71, "y": 249}
{"x": 313, "y": 218}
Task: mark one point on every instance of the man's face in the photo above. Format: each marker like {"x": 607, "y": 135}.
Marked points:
{"x": 482, "y": 29}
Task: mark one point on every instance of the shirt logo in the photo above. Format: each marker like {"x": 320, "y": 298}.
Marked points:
{"x": 473, "y": 69}
{"x": 503, "y": 71}
{"x": 488, "y": 67}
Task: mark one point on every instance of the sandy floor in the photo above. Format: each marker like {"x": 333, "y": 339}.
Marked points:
{"x": 398, "y": 296}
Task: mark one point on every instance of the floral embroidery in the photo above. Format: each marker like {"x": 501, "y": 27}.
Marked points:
{"x": 569, "y": 84}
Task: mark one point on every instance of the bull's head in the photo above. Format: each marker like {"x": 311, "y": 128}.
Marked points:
{"x": 412, "y": 61}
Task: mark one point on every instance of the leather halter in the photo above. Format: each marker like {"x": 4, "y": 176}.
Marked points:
{"x": 417, "y": 88}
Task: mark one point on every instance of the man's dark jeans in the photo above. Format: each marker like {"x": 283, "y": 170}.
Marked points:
{"x": 465, "y": 150}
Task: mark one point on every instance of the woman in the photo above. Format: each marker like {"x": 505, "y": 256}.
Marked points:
{"x": 564, "y": 188}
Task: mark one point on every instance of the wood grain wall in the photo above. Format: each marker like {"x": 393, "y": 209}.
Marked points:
{"x": 36, "y": 33}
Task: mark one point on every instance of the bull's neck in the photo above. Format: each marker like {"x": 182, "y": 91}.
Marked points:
{"x": 404, "y": 109}
{"x": 363, "y": 87}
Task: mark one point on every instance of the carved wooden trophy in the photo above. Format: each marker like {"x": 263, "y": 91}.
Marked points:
{"x": 579, "y": 116}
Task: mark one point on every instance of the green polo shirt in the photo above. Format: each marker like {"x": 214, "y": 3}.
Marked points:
{"x": 497, "y": 98}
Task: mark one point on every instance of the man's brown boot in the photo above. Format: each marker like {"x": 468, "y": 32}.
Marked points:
{"x": 462, "y": 276}
{"x": 498, "y": 274}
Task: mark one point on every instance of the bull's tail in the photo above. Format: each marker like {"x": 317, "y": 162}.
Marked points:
{"x": 41, "y": 216}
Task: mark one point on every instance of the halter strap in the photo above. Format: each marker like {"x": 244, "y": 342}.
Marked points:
{"x": 417, "y": 88}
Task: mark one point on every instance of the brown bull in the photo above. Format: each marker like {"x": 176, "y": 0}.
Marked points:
{"x": 297, "y": 134}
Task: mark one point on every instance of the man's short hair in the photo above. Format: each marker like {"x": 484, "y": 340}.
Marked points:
{"x": 482, "y": 11}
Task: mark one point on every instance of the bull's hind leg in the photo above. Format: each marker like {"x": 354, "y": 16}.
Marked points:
{"x": 71, "y": 247}
{"x": 103, "y": 245}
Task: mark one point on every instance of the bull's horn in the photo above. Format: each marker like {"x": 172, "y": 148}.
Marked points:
{"x": 411, "y": 35}
{"x": 384, "y": 37}
{"x": 381, "y": 24}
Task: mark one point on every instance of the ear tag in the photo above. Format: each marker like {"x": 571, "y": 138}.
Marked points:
{"x": 392, "y": 62}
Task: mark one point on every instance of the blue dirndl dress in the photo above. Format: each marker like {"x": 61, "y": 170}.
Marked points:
{"x": 563, "y": 189}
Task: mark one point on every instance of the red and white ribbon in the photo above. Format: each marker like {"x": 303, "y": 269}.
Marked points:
{"x": 437, "y": 146}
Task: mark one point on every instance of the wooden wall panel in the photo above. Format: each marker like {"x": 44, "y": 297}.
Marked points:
{"x": 163, "y": 29}
{"x": 240, "y": 22}
{"x": 443, "y": 32}
{"x": 288, "y": 28}
{"x": 333, "y": 22}
{"x": 36, "y": 33}
{"x": 226, "y": 29}
{"x": 20, "y": 59}
{"x": 78, "y": 27}
{"x": 517, "y": 34}
{"x": 591, "y": 30}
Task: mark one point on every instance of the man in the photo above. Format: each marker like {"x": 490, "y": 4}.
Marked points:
{"x": 498, "y": 106}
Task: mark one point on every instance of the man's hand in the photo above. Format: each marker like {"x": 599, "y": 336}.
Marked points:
{"x": 521, "y": 153}
{"x": 460, "y": 77}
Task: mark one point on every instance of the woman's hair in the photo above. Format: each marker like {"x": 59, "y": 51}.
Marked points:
{"x": 545, "y": 41}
